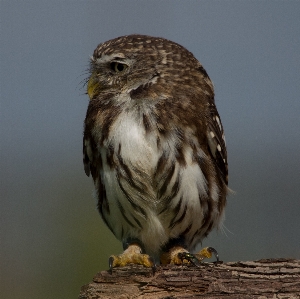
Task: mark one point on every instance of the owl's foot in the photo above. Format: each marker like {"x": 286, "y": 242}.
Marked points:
{"x": 195, "y": 259}
{"x": 178, "y": 255}
{"x": 173, "y": 256}
{"x": 132, "y": 255}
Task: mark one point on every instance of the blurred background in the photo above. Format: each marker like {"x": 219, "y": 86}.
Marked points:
{"x": 52, "y": 238}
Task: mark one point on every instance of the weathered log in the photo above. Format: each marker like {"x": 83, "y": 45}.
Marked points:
{"x": 267, "y": 278}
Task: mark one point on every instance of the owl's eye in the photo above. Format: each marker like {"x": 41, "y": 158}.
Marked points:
{"x": 118, "y": 67}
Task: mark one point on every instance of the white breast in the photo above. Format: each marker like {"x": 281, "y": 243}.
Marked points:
{"x": 139, "y": 152}
{"x": 136, "y": 148}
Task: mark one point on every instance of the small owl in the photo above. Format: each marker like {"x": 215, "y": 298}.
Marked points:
{"x": 155, "y": 147}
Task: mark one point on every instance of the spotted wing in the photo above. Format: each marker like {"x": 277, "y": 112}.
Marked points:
{"x": 216, "y": 140}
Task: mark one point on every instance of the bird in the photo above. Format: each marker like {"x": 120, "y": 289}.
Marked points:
{"x": 155, "y": 147}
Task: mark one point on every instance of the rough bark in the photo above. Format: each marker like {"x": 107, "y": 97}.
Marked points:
{"x": 268, "y": 278}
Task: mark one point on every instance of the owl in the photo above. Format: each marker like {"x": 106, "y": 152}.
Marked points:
{"x": 155, "y": 147}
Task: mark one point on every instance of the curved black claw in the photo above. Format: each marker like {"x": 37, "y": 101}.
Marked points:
{"x": 153, "y": 265}
{"x": 215, "y": 252}
{"x": 189, "y": 257}
{"x": 110, "y": 264}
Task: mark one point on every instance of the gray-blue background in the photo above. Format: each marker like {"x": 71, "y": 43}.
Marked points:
{"x": 52, "y": 239}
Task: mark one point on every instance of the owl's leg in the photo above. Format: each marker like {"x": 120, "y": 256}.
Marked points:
{"x": 131, "y": 255}
{"x": 178, "y": 255}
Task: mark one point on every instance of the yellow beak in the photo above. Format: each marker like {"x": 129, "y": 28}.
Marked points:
{"x": 92, "y": 86}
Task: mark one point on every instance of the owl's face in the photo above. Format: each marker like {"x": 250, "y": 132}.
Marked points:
{"x": 123, "y": 65}
{"x": 117, "y": 73}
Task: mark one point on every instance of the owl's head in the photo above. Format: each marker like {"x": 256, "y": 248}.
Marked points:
{"x": 127, "y": 63}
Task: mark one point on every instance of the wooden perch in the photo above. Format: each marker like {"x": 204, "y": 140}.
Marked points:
{"x": 268, "y": 278}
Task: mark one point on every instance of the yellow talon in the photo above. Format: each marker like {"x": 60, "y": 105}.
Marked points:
{"x": 206, "y": 253}
{"x": 178, "y": 255}
{"x": 132, "y": 255}
{"x": 172, "y": 256}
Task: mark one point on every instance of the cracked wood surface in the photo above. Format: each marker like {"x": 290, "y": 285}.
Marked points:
{"x": 268, "y": 278}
